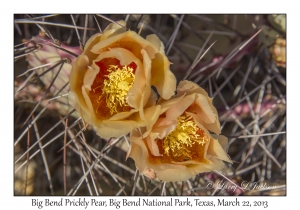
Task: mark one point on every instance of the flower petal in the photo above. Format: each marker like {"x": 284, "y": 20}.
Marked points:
{"x": 186, "y": 172}
{"x": 175, "y": 111}
{"x": 216, "y": 150}
{"x": 115, "y": 128}
{"x": 162, "y": 78}
{"x": 156, "y": 42}
{"x": 204, "y": 110}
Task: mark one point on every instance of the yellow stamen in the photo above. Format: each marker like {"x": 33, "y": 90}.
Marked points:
{"x": 116, "y": 87}
{"x": 180, "y": 141}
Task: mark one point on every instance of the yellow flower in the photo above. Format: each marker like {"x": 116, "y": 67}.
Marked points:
{"x": 178, "y": 145}
{"x": 110, "y": 82}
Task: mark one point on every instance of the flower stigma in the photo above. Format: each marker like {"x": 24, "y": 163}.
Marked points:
{"x": 180, "y": 141}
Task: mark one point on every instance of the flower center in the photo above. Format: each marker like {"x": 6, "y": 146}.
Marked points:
{"x": 180, "y": 141}
{"x": 110, "y": 87}
{"x": 116, "y": 87}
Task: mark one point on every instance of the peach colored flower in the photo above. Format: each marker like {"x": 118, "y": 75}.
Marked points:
{"x": 110, "y": 82}
{"x": 178, "y": 145}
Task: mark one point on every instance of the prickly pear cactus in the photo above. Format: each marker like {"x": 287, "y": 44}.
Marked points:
{"x": 64, "y": 156}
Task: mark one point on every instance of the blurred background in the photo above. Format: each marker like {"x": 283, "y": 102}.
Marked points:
{"x": 244, "y": 70}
